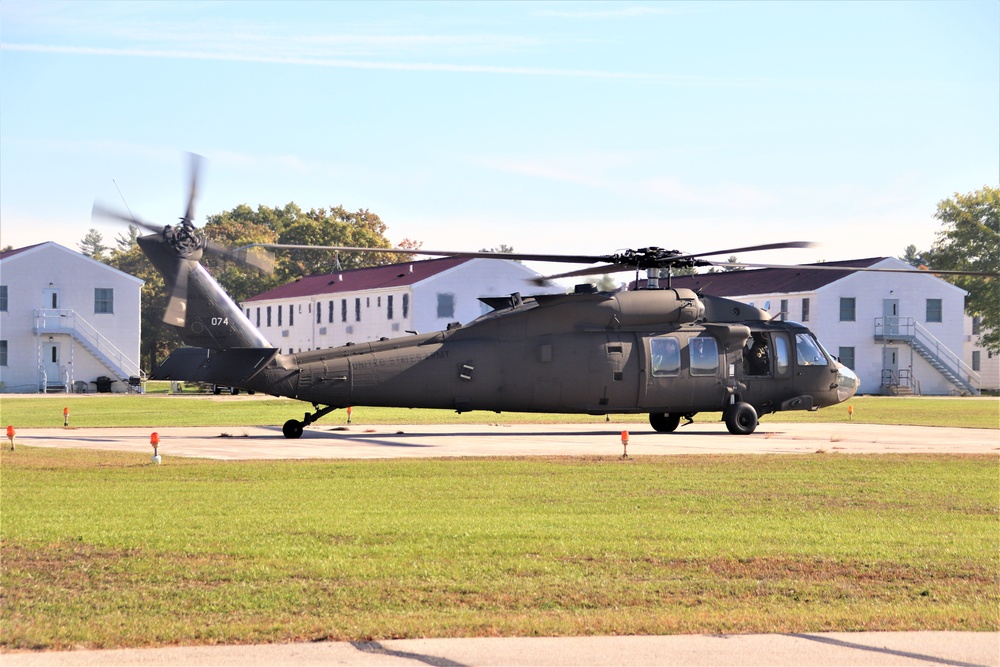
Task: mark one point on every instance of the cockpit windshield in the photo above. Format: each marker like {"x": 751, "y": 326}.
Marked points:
{"x": 808, "y": 351}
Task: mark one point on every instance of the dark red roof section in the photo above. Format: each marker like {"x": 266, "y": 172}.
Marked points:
{"x": 768, "y": 281}
{"x": 18, "y": 251}
{"x": 355, "y": 280}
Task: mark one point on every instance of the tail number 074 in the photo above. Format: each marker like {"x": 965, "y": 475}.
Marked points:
{"x": 220, "y": 321}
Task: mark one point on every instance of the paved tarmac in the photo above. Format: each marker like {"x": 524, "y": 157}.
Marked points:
{"x": 600, "y": 439}
{"x": 362, "y": 441}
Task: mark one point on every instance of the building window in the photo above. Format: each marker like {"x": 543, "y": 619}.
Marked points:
{"x": 3, "y": 298}
{"x": 343, "y": 310}
{"x": 848, "y": 307}
{"x": 846, "y": 355}
{"x": 357, "y": 310}
{"x": 976, "y": 360}
{"x": 446, "y": 305}
{"x": 291, "y": 313}
{"x": 3, "y": 353}
{"x": 331, "y": 313}
{"x": 977, "y": 320}
{"x": 805, "y": 310}
{"x": 104, "y": 300}
{"x": 784, "y": 310}
{"x": 319, "y": 314}
{"x": 933, "y": 310}
{"x": 269, "y": 316}
{"x": 279, "y": 315}
{"x": 406, "y": 306}
{"x": 258, "y": 317}
{"x": 388, "y": 306}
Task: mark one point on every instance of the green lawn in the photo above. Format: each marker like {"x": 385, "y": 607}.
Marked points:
{"x": 160, "y": 410}
{"x": 102, "y": 549}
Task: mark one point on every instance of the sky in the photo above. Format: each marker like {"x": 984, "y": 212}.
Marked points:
{"x": 565, "y": 127}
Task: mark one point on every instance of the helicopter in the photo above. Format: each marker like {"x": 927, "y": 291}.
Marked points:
{"x": 666, "y": 352}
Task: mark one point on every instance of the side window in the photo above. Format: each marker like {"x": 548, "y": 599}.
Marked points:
{"x": 782, "y": 355}
{"x": 808, "y": 351}
{"x": 704, "y": 356}
{"x": 665, "y": 355}
{"x": 3, "y": 298}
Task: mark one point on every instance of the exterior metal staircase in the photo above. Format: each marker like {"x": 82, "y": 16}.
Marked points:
{"x": 934, "y": 352}
{"x": 69, "y": 322}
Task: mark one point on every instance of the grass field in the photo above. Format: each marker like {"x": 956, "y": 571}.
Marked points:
{"x": 101, "y": 549}
{"x": 160, "y": 410}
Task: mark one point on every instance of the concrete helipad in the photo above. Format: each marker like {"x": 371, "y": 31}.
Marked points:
{"x": 602, "y": 439}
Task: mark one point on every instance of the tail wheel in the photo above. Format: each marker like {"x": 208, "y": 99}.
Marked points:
{"x": 741, "y": 419}
{"x": 664, "y": 422}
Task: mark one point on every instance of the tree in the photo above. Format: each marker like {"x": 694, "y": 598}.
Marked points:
{"x": 914, "y": 257}
{"x": 970, "y": 241}
{"x": 92, "y": 244}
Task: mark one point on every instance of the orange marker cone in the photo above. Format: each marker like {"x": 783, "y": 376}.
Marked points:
{"x": 348, "y": 414}
{"x": 10, "y": 436}
{"x": 850, "y": 412}
{"x": 625, "y": 444}
{"x": 65, "y": 416}
{"x": 154, "y": 440}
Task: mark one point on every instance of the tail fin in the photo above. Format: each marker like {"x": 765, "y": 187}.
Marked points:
{"x": 207, "y": 317}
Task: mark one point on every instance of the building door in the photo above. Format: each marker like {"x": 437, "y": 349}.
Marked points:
{"x": 890, "y": 317}
{"x": 50, "y": 363}
{"x": 890, "y": 365}
{"x": 50, "y": 298}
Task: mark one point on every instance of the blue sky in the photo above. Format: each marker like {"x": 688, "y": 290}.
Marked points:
{"x": 551, "y": 127}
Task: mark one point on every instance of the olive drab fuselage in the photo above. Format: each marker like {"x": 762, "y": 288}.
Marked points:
{"x": 665, "y": 352}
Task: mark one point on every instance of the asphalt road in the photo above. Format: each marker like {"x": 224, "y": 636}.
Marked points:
{"x": 361, "y": 441}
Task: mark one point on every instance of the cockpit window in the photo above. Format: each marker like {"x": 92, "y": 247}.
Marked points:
{"x": 666, "y": 355}
{"x": 808, "y": 351}
{"x": 704, "y": 356}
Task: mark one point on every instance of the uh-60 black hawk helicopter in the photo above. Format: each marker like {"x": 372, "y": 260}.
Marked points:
{"x": 664, "y": 351}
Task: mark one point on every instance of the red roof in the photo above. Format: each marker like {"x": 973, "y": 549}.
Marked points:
{"x": 769, "y": 281}
{"x": 356, "y": 280}
{"x": 18, "y": 251}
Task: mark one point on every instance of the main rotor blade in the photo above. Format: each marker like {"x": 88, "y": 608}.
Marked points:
{"x": 517, "y": 256}
{"x": 753, "y": 248}
{"x": 852, "y": 269}
{"x": 589, "y": 271}
{"x": 99, "y": 210}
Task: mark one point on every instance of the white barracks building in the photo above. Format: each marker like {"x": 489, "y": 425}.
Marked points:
{"x": 384, "y": 301}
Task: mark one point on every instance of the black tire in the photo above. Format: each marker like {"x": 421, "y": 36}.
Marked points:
{"x": 216, "y": 389}
{"x": 235, "y": 391}
{"x": 741, "y": 419}
{"x": 664, "y": 422}
{"x": 292, "y": 429}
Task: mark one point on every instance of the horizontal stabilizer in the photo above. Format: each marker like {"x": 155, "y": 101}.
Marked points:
{"x": 232, "y": 367}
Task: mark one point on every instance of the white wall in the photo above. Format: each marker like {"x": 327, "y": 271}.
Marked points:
{"x": 49, "y": 266}
{"x": 465, "y": 282}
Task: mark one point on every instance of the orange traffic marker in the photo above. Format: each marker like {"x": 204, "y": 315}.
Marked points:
{"x": 65, "y": 416}
{"x": 625, "y": 444}
{"x": 10, "y": 436}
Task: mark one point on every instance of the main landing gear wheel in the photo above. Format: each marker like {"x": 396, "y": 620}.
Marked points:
{"x": 293, "y": 428}
{"x": 741, "y": 419}
{"x": 664, "y": 422}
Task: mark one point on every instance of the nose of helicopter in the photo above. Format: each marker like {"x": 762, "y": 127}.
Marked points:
{"x": 847, "y": 383}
